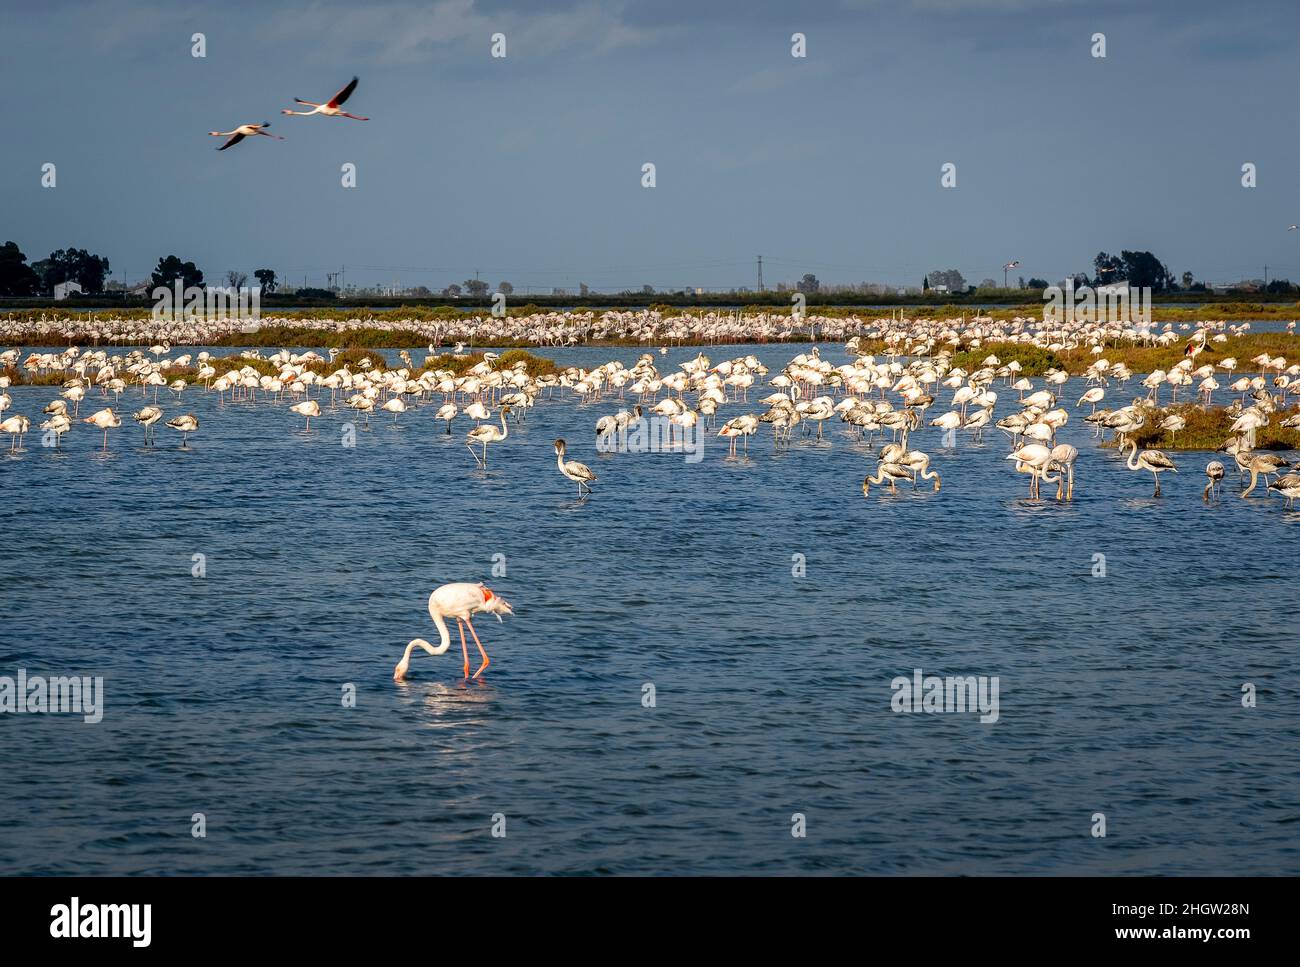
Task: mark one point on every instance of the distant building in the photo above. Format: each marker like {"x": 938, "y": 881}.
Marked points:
{"x": 65, "y": 289}
{"x": 141, "y": 290}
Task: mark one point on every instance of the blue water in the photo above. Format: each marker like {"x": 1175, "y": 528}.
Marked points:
{"x": 1119, "y": 695}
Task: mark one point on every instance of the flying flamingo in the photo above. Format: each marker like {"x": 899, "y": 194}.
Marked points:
{"x": 242, "y": 132}
{"x": 460, "y": 601}
{"x": 331, "y": 108}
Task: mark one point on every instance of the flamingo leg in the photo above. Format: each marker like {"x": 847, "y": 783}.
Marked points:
{"x": 463, "y": 649}
{"x": 486, "y": 661}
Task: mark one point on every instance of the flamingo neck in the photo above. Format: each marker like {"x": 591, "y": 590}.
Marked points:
{"x": 444, "y": 636}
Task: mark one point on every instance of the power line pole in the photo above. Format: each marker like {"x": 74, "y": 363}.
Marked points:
{"x": 760, "y": 273}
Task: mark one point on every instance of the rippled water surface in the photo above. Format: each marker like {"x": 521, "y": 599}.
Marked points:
{"x": 1119, "y": 695}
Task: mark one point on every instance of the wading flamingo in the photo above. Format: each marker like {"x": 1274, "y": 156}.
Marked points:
{"x": 147, "y": 417}
{"x": 1152, "y": 460}
{"x": 486, "y": 434}
{"x": 15, "y": 426}
{"x": 307, "y": 408}
{"x": 186, "y": 424}
{"x": 578, "y": 472}
{"x": 1214, "y": 473}
{"x": 104, "y": 420}
{"x": 460, "y": 601}
{"x": 889, "y": 473}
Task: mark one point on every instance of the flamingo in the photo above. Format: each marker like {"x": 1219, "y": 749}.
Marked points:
{"x": 242, "y": 132}
{"x": 1214, "y": 473}
{"x": 1288, "y": 485}
{"x": 186, "y": 424}
{"x": 446, "y": 412}
{"x": 1153, "y": 460}
{"x": 460, "y": 601}
{"x": 58, "y": 424}
{"x": 486, "y": 434}
{"x": 1033, "y": 459}
{"x": 572, "y": 469}
{"x": 147, "y": 416}
{"x": 740, "y": 427}
{"x": 1261, "y": 463}
{"x": 307, "y": 408}
{"x": 330, "y": 108}
{"x": 889, "y": 473}
{"x": 104, "y": 420}
{"x": 1062, "y": 460}
{"x": 15, "y": 426}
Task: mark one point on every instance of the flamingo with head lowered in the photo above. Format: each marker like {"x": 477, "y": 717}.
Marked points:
{"x": 460, "y": 601}
{"x": 331, "y": 107}
{"x": 242, "y": 132}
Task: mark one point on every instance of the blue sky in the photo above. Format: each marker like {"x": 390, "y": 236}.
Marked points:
{"x": 528, "y": 168}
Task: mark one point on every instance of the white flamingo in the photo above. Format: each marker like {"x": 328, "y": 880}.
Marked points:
{"x": 460, "y": 601}
{"x": 330, "y": 108}
{"x": 242, "y": 132}
{"x": 486, "y": 434}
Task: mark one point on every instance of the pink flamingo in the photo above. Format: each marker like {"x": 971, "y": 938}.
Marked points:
{"x": 329, "y": 108}
{"x": 459, "y": 601}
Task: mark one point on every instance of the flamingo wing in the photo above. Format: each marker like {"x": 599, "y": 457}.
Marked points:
{"x": 344, "y": 94}
{"x": 234, "y": 139}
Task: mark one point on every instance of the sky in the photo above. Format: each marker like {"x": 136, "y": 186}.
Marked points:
{"x": 529, "y": 168}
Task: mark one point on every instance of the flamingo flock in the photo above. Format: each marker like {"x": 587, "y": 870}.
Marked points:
{"x": 883, "y": 401}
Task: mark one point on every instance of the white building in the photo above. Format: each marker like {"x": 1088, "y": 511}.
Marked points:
{"x": 65, "y": 289}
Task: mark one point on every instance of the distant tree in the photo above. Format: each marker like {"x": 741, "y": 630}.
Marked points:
{"x": 1142, "y": 269}
{"x": 506, "y": 288}
{"x": 266, "y": 279}
{"x": 1022, "y": 281}
{"x": 1188, "y": 280}
{"x": 1107, "y": 269}
{"x": 422, "y": 292}
{"x": 171, "y": 268}
{"x": 808, "y": 284}
{"x": 949, "y": 277}
{"x": 16, "y": 277}
{"x": 647, "y": 290}
{"x": 236, "y": 279}
{"x": 1280, "y": 286}
{"x": 925, "y": 284}
{"x": 476, "y": 288}
{"x": 989, "y": 284}
{"x": 1036, "y": 284}
{"x": 452, "y": 290}
{"x": 72, "y": 265}
{"x": 311, "y": 293}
